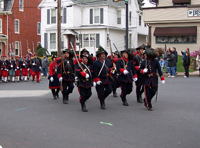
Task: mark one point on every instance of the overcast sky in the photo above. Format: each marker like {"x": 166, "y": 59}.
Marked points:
{"x": 147, "y": 4}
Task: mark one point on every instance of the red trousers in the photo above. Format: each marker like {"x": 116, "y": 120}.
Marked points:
{"x": 4, "y": 73}
{"x": 25, "y": 72}
{"x": 17, "y": 72}
{"x": 37, "y": 75}
{"x": 30, "y": 72}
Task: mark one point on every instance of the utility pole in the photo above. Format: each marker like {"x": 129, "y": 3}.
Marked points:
{"x": 59, "y": 28}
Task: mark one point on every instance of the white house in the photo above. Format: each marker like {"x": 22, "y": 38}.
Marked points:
{"x": 92, "y": 23}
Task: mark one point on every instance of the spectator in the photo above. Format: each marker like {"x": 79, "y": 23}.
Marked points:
{"x": 186, "y": 64}
{"x": 198, "y": 62}
{"x": 45, "y": 64}
{"x": 171, "y": 64}
{"x": 162, "y": 62}
{"x": 176, "y": 55}
{"x": 184, "y": 53}
{"x": 166, "y": 61}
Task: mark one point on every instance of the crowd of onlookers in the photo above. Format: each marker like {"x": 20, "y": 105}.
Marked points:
{"x": 169, "y": 61}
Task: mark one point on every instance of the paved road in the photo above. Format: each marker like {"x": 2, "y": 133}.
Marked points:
{"x": 39, "y": 121}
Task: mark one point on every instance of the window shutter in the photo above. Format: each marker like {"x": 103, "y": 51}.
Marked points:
{"x": 101, "y": 15}
{"x": 80, "y": 39}
{"x": 46, "y": 40}
{"x": 48, "y": 16}
{"x": 65, "y": 15}
{"x": 91, "y": 16}
{"x": 97, "y": 40}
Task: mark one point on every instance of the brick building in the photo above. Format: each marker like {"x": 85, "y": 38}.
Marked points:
{"x": 19, "y": 26}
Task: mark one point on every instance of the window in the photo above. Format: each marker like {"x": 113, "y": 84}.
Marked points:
{"x": 2, "y": 5}
{"x": 38, "y": 28}
{"x": 96, "y": 15}
{"x": 16, "y": 26}
{"x": 162, "y": 39}
{"x": 16, "y": 47}
{"x": 89, "y": 40}
{"x": 118, "y": 16}
{"x": 189, "y": 39}
{"x": 62, "y": 41}
{"x": 130, "y": 40}
{"x": 0, "y": 25}
{"x": 140, "y": 18}
{"x": 130, "y": 18}
{"x": 21, "y": 5}
{"x": 53, "y": 16}
{"x": 52, "y": 40}
{"x": 176, "y": 39}
{"x": 108, "y": 40}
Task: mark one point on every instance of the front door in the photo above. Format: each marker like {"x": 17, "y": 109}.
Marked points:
{"x": 71, "y": 38}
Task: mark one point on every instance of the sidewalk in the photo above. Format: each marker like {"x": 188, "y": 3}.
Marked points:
{"x": 181, "y": 74}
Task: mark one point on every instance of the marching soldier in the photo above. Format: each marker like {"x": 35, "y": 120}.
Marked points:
{"x": 36, "y": 68}
{"x": 4, "y": 68}
{"x": 148, "y": 69}
{"x": 66, "y": 74}
{"x": 18, "y": 66}
{"x": 12, "y": 69}
{"x": 115, "y": 74}
{"x": 54, "y": 83}
{"x": 84, "y": 73}
{"x": 24, "y": 67}
{"x": 127, "y": 74}
{"x": 102, "y": 75}
{"x": 137, "y": 62}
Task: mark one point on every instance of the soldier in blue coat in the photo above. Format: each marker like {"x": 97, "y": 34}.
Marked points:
{"x": 139, "y": 57}
{"x": 36, "y": 68}
{"x": 85, "y": 80}
{"x": 102, "y": 75}
{"x": 149, "y": 69}
{"x": 66, "y": 74}
{"x": 127, "y": 74}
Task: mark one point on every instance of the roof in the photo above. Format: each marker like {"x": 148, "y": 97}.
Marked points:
{"x": 98, "y": 2}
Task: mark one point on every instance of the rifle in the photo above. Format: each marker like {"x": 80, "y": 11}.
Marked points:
{"x": 120, "y": 55}
{"x": 21, "y": 48}
{"x": 76, "y": 57}
{"x": 79, "y": 48}
{"x": 111, "y": 49}
{"x": 61, "y": 87}
{"x": 33, "y": 47}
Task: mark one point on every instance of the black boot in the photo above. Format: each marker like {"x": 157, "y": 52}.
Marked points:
{"x": 139, "y": 98}
{"x": 103, "y": 106}
{"x": 54, "y": 94}
{"x": 57, "y": 92}
{"x": 84, "y": 109}
{"x": 125, "y": 103}
{"x": 114, "y": 94}
{"x": 65, "y": 99}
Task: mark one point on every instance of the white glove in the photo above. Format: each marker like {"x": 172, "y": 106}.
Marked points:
{"x": 11, "y": 66}
{"x": 7, "y": 69}
{"x": 23, "y": 64}
{"x": 20, "y": 69}
{"x": 60, "y": 79}
{"x": 51, "y": 79}
{"x": 40, "y": 68}
{"x": 1, "y": 68}
{"x": 94, "y": 84}
{"x": 113, "y": 72}
{"x": 76, "y": 79}
{"x": 87, "y": 76}
{"x": 99, "y": 82}
{"x": 163, "y": 81}
{"x": 17, "y": 67}
{"x": 28, "y": 69}
{"x": 125, "y": 72}
{"x": 145, "y": 70}
{"x": 33, "y": 64}
{"x": 135, "y": 79}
